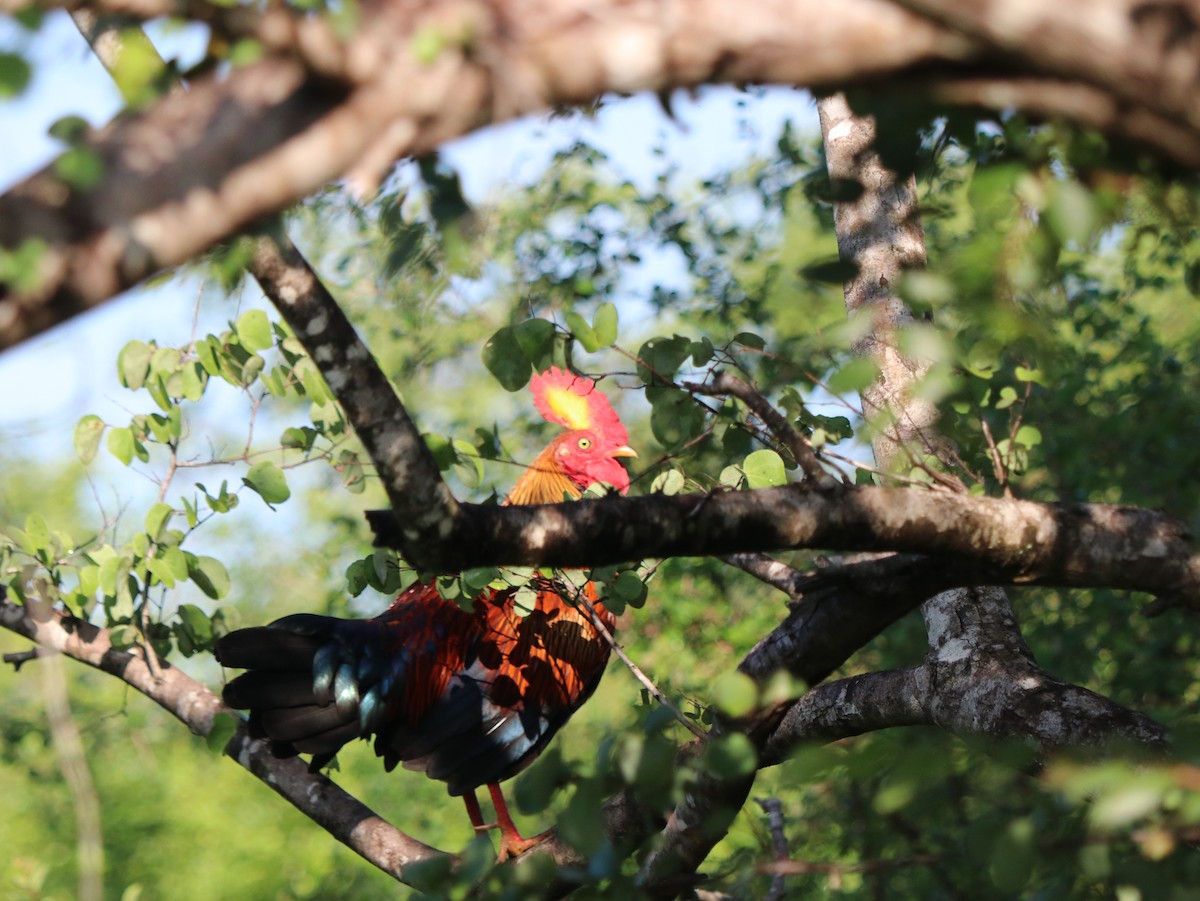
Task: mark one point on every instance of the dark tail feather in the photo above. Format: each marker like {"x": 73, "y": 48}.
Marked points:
{"x": 267, "y": 648}
{"x": 279, "y": 690}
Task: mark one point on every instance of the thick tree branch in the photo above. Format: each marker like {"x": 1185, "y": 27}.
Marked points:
{"x": 420, "y": 498}
{"x": 1012, "y": 541}
{"x": 198, "y": 167}
{"x": 1147, "y": 53}
{"x": 195, "y": 169}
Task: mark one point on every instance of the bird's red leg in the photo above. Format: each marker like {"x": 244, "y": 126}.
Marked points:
{"x": 476, "y": 815}
{"x": 511, "y": 842}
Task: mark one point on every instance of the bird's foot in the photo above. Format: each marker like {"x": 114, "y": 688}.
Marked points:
{"x": 513, "y": 845}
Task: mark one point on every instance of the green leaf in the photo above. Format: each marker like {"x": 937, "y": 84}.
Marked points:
{"x": 477, "y": 579}
{"x": 470, "y": 467}
{"x": 536, "y": 339}
{"x": 660, "y": 358}
{"x": 504, "y": 358}
{"x": 156, "y": 518}
{"x": 1029, "y": 436}
{"x": 605, "y": 325}
{"x": 176, "y": 562}
{"x": 224, "y": 725}
{"x": 730, "y": 756}
{"x": 87, "y": 437}
{"x": 358, "y": 577}
{"x": 254, "y": 330}
{"x": 244, "y": 52}
{"x": 427, "y": 44}
{"x": 133, "y": 364}
{"x": 764, "y": 469}
{"x": 675, "y": 417}
{"x": 1071, "y": 213}
{"x": 194, "y": 379}
{"x": 630, "y": 588}
{"x": 669, "y": 483}
{"x": 854, "y": 376}
{"x": 37, "y": 531}
{"x": 735, "y": 694}
{"x": 1008, "y": 397}
{"x": 1031, "y": 375}
{"x": 749, "y": 339}
{"x": 120, "y": 444}
{"x": 210, "y": 576}
{"x": 80, "y": 167}
{"x": 268, "y": 481}
{"x": 71, "y": 130}
{"x": 207, "y": 350}
{"x": 15, "y": 75}
{"x": 583, "y": 332}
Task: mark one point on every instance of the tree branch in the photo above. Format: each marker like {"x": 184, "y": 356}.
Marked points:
{"x": 1147, "y": 54}
{"x": 1011, "y": 541}
{"x": 727, "y": 384}
{"x": 344, "y": 817}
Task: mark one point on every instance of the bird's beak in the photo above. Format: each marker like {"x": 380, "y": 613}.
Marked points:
{"x": 623, "y": 451}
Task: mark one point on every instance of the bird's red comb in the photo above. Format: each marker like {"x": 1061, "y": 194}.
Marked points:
{"x": 574, "y": 403}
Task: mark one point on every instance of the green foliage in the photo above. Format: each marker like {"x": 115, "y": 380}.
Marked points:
{"x": 1056, "y": 326}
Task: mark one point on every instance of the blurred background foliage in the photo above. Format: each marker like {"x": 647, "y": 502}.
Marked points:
{"x": 1059, "y": 316}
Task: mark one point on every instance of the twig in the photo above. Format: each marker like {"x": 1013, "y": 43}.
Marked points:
{"x": 20, "y": 658}
{"x": 769, "y": 570}
{"x": 994, "y": 453}
{"x": 646, "y": 681}
{"x": 726, "y": 384}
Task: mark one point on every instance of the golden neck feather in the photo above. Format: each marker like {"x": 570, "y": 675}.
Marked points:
{"x": 544, "y": 482}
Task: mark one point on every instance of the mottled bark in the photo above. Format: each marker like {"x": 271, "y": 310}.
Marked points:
{"x": 1013, "y": 541}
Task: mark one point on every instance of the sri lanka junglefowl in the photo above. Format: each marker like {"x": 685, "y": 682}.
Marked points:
{"x": 470, "y": 698}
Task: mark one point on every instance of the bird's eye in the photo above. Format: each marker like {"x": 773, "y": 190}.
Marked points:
{"x": 585, "y": 443}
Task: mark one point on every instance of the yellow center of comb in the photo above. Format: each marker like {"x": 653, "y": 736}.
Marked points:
{"x": 573, "y": 409}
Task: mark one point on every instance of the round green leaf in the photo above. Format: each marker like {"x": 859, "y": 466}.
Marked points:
{"x": 87, "y": 437}
{"x": 764, "y": 469}
{"x": 254, "y": 330}
{"x": 735, "y": 694}
{"x": 80, "y": 167}
{"x": 504, "y": 358}
{"x": 15, "y": 74}
{"x": 536, "y": 338}
{"x": 156, "y": 518}
{"x": 133, "y": 364}
{"x": 269, "y": 481}
{"x": 223, "y": 727}
{"x": 120, "y": 444}
{"x": 604, "y": 325}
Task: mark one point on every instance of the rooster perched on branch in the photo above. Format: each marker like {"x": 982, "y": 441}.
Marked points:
{"x": 470, "y": 698}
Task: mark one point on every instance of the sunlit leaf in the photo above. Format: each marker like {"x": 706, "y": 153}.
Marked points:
{"x": 87, "y": 437}
{"x": 210, "y": 576}
{"x": 269, "y": 481}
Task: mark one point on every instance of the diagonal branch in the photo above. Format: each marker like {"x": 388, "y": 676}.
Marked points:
{"x": 727, "y": 384}
{"x": 346, "y": 819}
